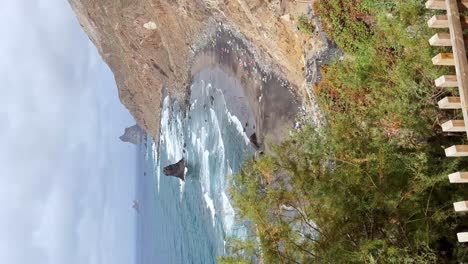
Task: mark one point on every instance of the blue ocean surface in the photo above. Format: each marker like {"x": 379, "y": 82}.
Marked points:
{"x": 187, "y": 222}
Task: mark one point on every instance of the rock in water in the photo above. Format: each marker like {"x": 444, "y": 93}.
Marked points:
{"x": 176, "y": 170}
{"x": 133, "y": 135}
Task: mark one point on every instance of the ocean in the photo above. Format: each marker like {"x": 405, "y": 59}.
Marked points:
{"x": 187, "y": 222}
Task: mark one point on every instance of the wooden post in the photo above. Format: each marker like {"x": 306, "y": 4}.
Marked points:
{"x": 446, "y": 81}
{"x": 457, "y": 151}
{"x": 450, "y": 102}
{"x": 440, "y": 5}
{"x": 460, "y": 206}
{"x": 462, "y": 237}
{"x": 443, "y": 59}
{"x": 458, "y": 177}
{"x": 453, "y": 126}
{"x": 459, "y": 54}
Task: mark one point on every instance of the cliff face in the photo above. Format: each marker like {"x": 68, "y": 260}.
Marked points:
{"x": 149, "y": 44}
{"x": 133, "y": 135}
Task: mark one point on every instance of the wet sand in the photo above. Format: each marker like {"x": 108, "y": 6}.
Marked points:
{"x": 262, "y": 101}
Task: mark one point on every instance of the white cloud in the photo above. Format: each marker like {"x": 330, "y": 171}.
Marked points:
{"x": 60, "y": 120}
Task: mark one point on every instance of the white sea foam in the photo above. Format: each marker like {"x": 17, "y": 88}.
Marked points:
{"x": 228, "y": 213}
{"x": 181, "y": 188}
{"x": 219, "y": 148}
{"x": 154, "y": 148}
{"x": 171, "y": 137}
{"x": 205, "y": 172}
{"x": 210, "y": 205}
{"x": 158, "y": 173}
{"x": 233, "y": 119}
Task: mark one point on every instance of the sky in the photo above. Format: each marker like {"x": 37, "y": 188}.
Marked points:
{"x": 66, "y": 181}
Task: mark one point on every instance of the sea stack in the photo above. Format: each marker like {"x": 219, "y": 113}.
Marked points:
{"x": 133, "y": 134}
{"x": 176, "y": 170}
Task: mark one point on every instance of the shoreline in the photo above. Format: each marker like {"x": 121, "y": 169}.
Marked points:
{"x": 272, "y": 100}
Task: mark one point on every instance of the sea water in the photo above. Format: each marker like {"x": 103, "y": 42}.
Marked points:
{"x": 187, "y": 222}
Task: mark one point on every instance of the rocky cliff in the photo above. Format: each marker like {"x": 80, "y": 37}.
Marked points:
{"x": 133, "y": 134}
{"x": 149, "y": 44}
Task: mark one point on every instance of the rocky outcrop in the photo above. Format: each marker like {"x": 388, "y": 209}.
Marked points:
{"x": 133, "y": 134}
{"x": 149, "y": 44}
{"x": 176, "y": 170}
{"x": 254, "y": 141}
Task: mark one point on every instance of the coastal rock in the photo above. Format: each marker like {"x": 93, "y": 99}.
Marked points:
{"x": 176, "y": 170}
{"x": 149, "y": 44}
{"x": 254, "y": 141}
{"x": 133, "y": 134}
{"x": 324, "y": 52}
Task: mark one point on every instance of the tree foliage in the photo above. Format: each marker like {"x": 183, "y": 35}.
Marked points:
{"x": 371, "y": 186}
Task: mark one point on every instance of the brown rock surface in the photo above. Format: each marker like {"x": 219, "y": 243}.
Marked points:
{"x": 149, "y": 44}
{"x": 176, "y": 170}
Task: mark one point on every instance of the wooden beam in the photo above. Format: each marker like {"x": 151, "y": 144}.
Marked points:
{"x": 460, "y": 206}
{"x": 438, "y": 21}
{"x": 443, "y": 40}
{"x": 441, "y": 21}
{"x": 440, "y": 40}
{"x": 446, "y": 81}
{"x": 434, "y": 4}
{"x": 441, "y": 5}
{"x": 457, "y": 151}
{"x": 458, "y": 177}
{"x": 454, "y": 126}
{"x": 450, "y": 102}
{"x": 462, "y": 237}
{"x": 444, "y": 59}
{"x": 459, "y": 54}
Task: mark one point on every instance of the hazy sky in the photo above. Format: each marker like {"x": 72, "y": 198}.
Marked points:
{"x": 66, "y": 182}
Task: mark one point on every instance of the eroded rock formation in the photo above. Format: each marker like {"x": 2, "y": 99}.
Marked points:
{"x": 133, "y": 134}
{"x": 254, "y": 141}
{"x": 149, "y": 44}
{"x": 176, "y": 170}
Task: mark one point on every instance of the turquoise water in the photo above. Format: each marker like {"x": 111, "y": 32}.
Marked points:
{"x": 186, "y": 222}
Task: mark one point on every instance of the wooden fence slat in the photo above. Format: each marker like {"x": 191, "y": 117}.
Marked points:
{"x": 458, "y": 177}
{"x": 441, "y": 5}
{"x": 438, "y": 21}
{"x": 444, "y": 59}
{"x": 454, "y": 126}
{"x": 457, "y": 151}
{"x": 460, "y": 206}
{"x": 440, "y": 39}
{"x": 441, "y": 21}
{"x": 462, "y": 237}
{"x": 459, "y": 54}
{"x": 450, "y": 102}
{"x": 445, "y": 81}
{"x": 443, "y": 40}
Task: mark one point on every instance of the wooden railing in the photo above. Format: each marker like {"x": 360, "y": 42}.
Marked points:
{"x": 458, "y": 59}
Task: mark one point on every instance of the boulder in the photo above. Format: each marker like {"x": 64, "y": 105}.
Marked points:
{"x": 176, "y": 170}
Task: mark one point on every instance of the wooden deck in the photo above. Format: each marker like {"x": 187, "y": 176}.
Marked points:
{"x": 455, "y": 39}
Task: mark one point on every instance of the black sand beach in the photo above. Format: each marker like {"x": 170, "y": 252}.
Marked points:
{"x": 262, "y": 101}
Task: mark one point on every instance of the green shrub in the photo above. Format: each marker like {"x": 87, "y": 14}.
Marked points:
{"x": 372, "y": 184}
{"x": 305, "y": 25}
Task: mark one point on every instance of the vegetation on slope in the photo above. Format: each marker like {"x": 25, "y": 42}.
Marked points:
{"x": 371, "y": 186}
{"x": 305, "y": 25}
